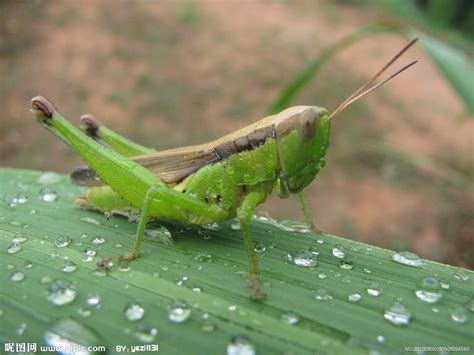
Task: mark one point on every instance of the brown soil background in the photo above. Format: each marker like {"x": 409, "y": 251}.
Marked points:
{"x": 168, "y": 74}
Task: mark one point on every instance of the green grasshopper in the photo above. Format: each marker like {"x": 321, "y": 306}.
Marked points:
{"x": 206, "y": 183}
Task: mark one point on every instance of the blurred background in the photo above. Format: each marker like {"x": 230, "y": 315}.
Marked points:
{"x": 173, "y": 73}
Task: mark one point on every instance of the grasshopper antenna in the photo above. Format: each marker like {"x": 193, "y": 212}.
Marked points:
{"x": 367, "y": 88}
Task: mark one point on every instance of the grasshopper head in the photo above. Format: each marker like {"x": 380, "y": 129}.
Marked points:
{"x": 302, "y": 137}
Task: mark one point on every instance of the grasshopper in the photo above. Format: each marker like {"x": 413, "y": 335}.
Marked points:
{"x": 206, "y": 183}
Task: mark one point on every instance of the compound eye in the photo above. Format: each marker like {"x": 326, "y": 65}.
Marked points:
{"x": 307, "y": 122}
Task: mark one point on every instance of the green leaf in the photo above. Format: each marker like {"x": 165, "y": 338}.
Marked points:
{"x": 454, "y": 64}
{"x": 214, "y": 262}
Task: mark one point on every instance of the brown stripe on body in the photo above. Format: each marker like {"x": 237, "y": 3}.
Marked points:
{"x": 250, "y": 141}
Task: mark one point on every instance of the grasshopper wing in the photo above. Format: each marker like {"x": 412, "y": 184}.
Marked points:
{"x": 171, "y": 165}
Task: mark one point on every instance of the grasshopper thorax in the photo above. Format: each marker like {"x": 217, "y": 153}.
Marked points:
{"x": 302, "y": 138}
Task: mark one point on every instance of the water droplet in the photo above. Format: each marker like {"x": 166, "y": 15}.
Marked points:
{"x": 124, "y": 266}
{"x": 13, "y": 248}
{"x": 134, "y": 312}
{"x": 19, "y": 238}
{"x": 118, "y": 245}
{"x": 89, "y": 254}
{"x": 290, "y": 318}
{"x": 54, "y": 254}
{"x": 367, "y": 270}
{"x": 84, "y": 312}
{"x": 398, "y": 314}
{"x": 61, "y": 292}
{"x": 293, "y": 226}
{"x": 69, "y": 266}
{"x": 354, "y": 297}
{"x": 444, "y": 284}
{"x": 46, "y": 280}
{"x": 211, "y": 226}
{"x": 49, "y": 178}
{"x": 196, "y": 289}
{"x": 28, "y": 264}
{"x": 160, "y": 234}
{"x": 203, "y": 257}
{"x": 381, "y": 339}
{"x": 17, "y": 276}
{"x": 90, "y": 220}
{"x": 429, "y": 290}
{"x": 319, "y": 240}
{"x": 346, "y": 264}
{"x": 93, "y": 300}
{"x": 98, "y": 240}
{"x": 303, "y": 258}
{"x": 314, "y": 250}
{"x": 100, "y": 272}
{"x": 48, "y": 195}
{"x": 260, "y": 247}
{"x": 459, "y": 315}
{"x": 322, "y": 275}
{"x": 462, "y": 274}
{"x": 208, "y": 326}
{"x": 146, "y": 334}
{"x": 179, "y": 312}
{"x": 374, "y": 289}
{"x": 338, "y": 251}
{"x": 21, "y": 199}
{"x": 470, "y": 304}
{"x": 235, "y": 226}
{"x": 62, "y": 241}
{"x": 408, "y": 258}
{"x": 232, "y": 307}
{"x": 21, "y": 329}
{"x": 240, "y": 345}
{"x": 323, "y": 295}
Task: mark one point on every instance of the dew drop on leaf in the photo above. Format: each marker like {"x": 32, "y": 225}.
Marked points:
{"x": 429, "y": 290}
{"x": 398, "y": 314}
{"x": 62, "y": 241}
{"x": 19, "y": 238}
{"x": 461, "y": 274}
{"x": 84, "y": 312}
{"x": 69, "y": 266}
{"x": 322, "y": 275}
{"x": 408, "y": 258}
{"x": 13, "y": 248}
{"x": 17, "y": 276}
{"x": 338, "y": 251}
{"x": 290, "y": 318}
{"x": 61, "y": 292}
{"x": 323, "y": 295}
{"x": 93, "y": 300}
{"x": 303, "y": 258}
{"x": 48, "y": 195}
{"x": 354, "y": 297}
{"x": 179, "y": 312}
{"x": 146, "y": 334}
{"x": 98, "y": 240}
{"x": 374, "y": 289}
{"x": 134, "y": 312}
{"x": 346, "y": 264}
{"x": 240, "y": 345}
{"x": 459, "y": 315}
